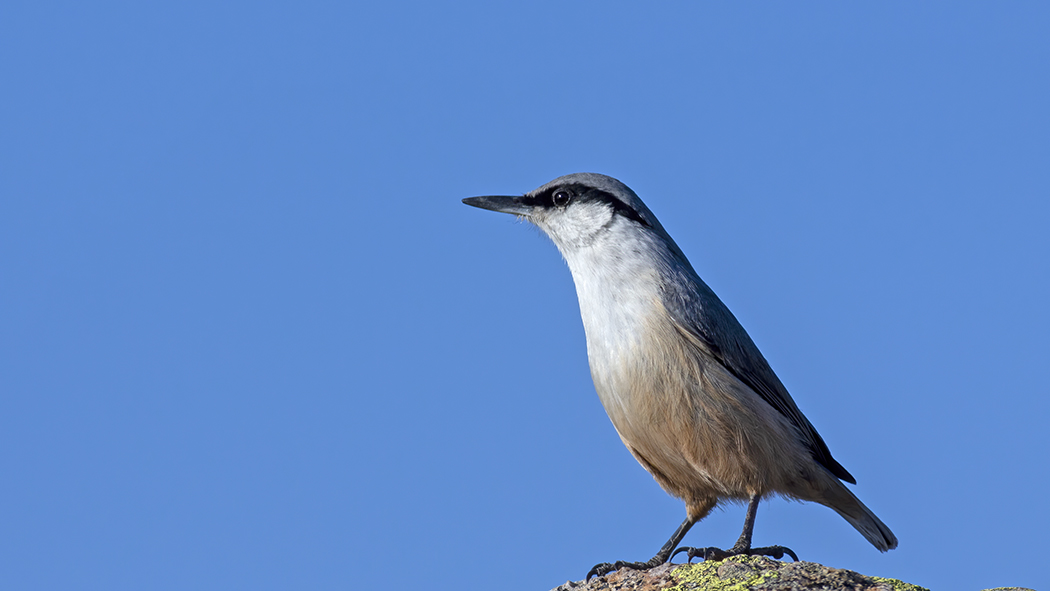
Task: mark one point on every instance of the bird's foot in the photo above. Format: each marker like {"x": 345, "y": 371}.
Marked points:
{"x": 604, "y": 568}
{"x": 775, "y": 552}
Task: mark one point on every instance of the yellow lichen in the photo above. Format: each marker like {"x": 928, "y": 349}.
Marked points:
{"x": 742, "y": 573}
{"x": 704, "y": 575}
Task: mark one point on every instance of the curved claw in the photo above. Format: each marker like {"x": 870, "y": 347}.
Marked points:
{"x": 710, "y": 553}
{"x": 774, "y": 552}
{"x": 600, "y": 570}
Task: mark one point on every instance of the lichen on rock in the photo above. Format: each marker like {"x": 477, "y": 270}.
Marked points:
{"x": 740, "y": 573}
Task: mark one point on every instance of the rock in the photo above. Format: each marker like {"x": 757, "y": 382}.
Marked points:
{"x": 740, "y": 573}
{"x": 745, "y": 573}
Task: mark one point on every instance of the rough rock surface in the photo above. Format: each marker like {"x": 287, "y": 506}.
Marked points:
{"x": 740, "y": 573}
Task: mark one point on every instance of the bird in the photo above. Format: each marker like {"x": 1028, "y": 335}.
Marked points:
{"x": 684, "y": 385}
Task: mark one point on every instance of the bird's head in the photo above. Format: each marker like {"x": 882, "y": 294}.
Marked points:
{"x": 577, "y": 209}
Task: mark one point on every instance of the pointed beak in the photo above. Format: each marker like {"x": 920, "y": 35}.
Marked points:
{"x": 512, "y": 205}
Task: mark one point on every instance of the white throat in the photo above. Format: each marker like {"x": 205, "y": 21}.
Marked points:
{"x": 616, "y": 272}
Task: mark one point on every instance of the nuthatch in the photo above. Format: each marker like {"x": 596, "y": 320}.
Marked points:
{"x": 688, "y": 391}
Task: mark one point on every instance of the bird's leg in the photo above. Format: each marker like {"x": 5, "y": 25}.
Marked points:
{"x": 743, "y": 543}
{"x": 661, "y": 557}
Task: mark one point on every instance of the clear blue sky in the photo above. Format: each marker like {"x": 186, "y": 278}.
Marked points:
{"x": 251, "y": 339}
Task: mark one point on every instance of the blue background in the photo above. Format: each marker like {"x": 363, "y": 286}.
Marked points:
{"x": 251, "y": 339}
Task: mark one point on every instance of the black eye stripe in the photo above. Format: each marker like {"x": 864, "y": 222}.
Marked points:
{"x": 583, "y": 193}
{"x": 619, "y": 207}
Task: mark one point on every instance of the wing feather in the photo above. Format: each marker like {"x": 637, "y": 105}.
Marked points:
{"x": 697, "y": 311}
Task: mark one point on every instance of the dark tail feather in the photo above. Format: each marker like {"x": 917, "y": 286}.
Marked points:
{"x": 846, "y": 504}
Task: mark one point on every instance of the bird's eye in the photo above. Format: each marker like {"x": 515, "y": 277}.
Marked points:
{"x": 562, "y": 198}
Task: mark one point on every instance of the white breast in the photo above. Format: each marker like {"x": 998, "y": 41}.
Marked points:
{"x": 618, "y": 290}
